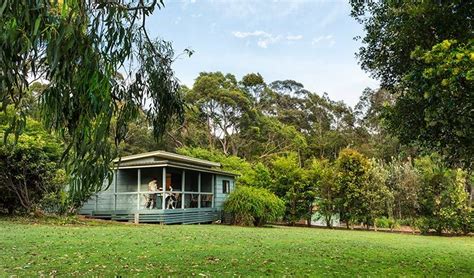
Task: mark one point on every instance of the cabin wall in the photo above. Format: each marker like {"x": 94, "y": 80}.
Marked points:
{"x": 220, "y": 197}
{"x": 104, "y": 200}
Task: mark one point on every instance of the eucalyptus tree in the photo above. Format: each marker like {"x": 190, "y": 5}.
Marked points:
{"x": 98, "y": 63}
{"x": 254, "y": 85}
{"x": 223, "y": 105}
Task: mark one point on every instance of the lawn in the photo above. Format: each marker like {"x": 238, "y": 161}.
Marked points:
{"x": 218, "y": 250}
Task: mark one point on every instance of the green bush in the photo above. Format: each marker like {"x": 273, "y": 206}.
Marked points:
{"x": 388, "y": 223}
{"x": 404, "y": 183}
{"x": 352, "y": 179}
{"x": 253, "y": 206}
{"x": 289, "y": 182}
{"x": 442, "y": 198}
{"x": 381, "y": 222}
{"x": 407, "y": 222}
{"x": 29, "y": 168}
{"x": 467, "y": 224}
{"x": 423, "y": 224}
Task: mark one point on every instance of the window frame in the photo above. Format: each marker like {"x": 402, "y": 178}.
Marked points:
{"x": 225, "y": 186}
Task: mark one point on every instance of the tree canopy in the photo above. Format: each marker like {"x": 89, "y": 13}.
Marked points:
{"x": 393, "y": 29}
{"x": 422, "y": 53}
{"x": 436, "y": 108}
{"x": 97, "y": 63}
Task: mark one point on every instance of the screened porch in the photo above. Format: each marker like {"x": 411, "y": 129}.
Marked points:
{"x": 183, "y": 189}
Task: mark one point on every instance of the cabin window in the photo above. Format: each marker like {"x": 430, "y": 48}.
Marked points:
{"x": 206, "y": 200}
{"x": 147, "y": 175}
{"x": 174, "y": 179}
{"x": 191, "y": 181}
{"x": 225, "y": 186}
{"x": 206, "y": 182}
{"x": 191, "y": 200}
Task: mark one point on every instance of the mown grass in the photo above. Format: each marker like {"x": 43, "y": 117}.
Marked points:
{"x": 218, "y": 250}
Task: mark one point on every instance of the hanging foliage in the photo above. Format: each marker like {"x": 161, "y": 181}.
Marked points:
{"x": 99, "y": 64}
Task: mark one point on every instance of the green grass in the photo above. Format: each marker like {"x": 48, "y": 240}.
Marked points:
{"x": 218, "y": 250}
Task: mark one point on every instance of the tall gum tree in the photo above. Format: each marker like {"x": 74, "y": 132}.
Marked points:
{"x": 98, "y": 63}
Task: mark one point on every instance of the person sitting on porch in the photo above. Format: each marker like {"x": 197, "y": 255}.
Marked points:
{"x": 152, "y": 187}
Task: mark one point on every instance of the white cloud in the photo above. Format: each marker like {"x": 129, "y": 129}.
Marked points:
{"x": 264, "y": 42}
{"x": 259, "y": 9}
{"x": 264, "y": 39}
{"x": 327, "y": 40}
{"x": 186, "y": 3}
{"x": 242, "y": 35}
{"x": 294, "y": 37}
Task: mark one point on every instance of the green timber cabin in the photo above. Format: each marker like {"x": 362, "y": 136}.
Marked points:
{"x": 194, "y": 190}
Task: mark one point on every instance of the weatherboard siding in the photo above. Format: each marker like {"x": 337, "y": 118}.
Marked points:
{"x": 220, "y": 197}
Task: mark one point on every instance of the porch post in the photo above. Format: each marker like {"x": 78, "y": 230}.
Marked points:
{"x": 199, "y": 190}
{"x": 163, "y": 189}
{"x": 139, "y": 182}
{"x": 183, "y": 186}
{"x": 115, "y": 190}
{"x": 213, "y": 189}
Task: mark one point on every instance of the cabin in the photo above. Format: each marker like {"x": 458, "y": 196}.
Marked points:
{"x": 163, "y": 187}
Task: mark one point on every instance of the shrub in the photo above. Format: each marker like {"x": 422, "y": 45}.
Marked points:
{"x": 385, "y": 222}
{"x": 322, "y": 175}
{"x": 381, "y": 222}
{"x": 423, "y": 224}
{"x": 393, "y": 223}
{"x": 407, "y": 222}
{"x": 352, "y": 177}
{"x": 442, "y": 198}
{"x": 404, "y": 183}
{"x": 29, "y": 169}
{"x": 375, "y": 194}
{"x": 290, "y": 182}
{"x": 253, "y": 206}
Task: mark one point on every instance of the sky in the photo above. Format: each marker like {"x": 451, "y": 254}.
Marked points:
{"x": 309, "y": 41}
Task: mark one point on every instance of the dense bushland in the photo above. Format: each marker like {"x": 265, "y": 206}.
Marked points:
{"x": 423, "y": 193}
{"x": 31, "y": 179}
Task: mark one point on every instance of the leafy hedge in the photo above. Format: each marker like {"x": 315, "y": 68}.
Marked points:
{"x": 253, "y": 206}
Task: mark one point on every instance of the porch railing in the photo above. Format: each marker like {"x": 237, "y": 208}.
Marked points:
{"x": 106, "y": 201}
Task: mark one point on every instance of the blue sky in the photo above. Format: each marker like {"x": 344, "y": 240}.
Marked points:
{"x": 308, "y": 41}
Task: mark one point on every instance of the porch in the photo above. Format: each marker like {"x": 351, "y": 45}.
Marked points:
{"x": 183, "y": 196}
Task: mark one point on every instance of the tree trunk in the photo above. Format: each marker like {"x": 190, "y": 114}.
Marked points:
{"x": 209, "y": 134}
{"x": 471, "y": 193}
{"x": 310, "y": 215}
{"x": 327, "y": 218}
